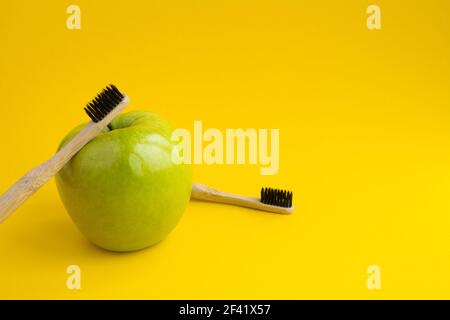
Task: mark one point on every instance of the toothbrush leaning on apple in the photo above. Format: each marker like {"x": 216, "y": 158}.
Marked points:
{"x": 122, "y": 190}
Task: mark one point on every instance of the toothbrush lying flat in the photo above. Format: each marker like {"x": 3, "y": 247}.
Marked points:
{"x": 272, "y": 200}
{"x": 105, "y": 107}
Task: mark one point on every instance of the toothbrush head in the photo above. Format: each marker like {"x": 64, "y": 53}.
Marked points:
{"x": 104, "y": 103}
{"x": 276, "y": 197}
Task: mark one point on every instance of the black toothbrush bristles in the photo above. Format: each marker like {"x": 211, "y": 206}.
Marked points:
{"x": 276, "y": 197}
{"x": 103, "y": 103}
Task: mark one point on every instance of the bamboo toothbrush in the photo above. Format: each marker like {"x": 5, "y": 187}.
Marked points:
{"x": 272, "y": 200}
{"x": 105, "y": 107}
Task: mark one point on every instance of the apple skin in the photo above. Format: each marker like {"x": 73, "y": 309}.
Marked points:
{"x": 122, "y": 189}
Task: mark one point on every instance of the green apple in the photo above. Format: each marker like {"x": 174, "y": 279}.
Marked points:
{"x": 122, "y": 189}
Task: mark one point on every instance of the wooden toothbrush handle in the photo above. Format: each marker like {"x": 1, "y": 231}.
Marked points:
{"x": 37, "y": 177}
{"x": 202, "y": 192}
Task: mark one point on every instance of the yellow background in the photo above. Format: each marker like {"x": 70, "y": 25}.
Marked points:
{"x": 364, "y": 144}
